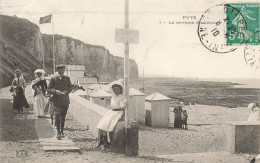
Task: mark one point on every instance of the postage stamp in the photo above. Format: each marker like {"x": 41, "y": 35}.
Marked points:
{"x": 249, "y": 14}
{"x": 226, "y": 19}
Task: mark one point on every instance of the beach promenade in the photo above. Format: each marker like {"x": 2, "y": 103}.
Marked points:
{"x": 19, "y": 142}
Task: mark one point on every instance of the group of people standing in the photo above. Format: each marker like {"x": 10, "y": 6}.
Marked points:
{"x": 57, "y": 91}
{"x": 181, "y": 117}
{"x": 39, "y": 87}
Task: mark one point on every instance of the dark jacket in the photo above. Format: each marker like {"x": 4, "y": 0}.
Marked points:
{"x": 42, "y": 84}
{"x": 62, "y": 84}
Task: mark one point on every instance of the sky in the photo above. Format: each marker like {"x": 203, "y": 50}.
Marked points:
{"x": 163, "y": 49}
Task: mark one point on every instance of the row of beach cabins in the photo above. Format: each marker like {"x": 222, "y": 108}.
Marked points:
{"x": 151, "y": 110}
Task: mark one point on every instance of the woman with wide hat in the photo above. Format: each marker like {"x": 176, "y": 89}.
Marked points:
{"x": 110, "y": 119}
{"x": 39, "y": 86}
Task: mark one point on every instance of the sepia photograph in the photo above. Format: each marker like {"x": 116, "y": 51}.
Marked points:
{"x": 130, "y": 81}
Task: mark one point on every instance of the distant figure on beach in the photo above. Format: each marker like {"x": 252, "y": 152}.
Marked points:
{"x": 184, "y": 118}
{"x": 110, "y": 119}
{"x": 254, "y": 115}
{"x": 60, "y": 86}
{"x": 39, "y": 86}
{"x": 18, "y": 87}
{"x": 177, "y": 119}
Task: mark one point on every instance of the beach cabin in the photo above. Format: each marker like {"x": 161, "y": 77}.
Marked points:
{"x": 94, "y": 87}
{"x": 157, "y": 110}
{"x": 136, "y": 110}
{"x": 101, "y": 98}
{"x": 82, "y": 82}
{"x": 74, "y": 72}
{"x": 86, "y": 82}
{"x": 91, "y": 80}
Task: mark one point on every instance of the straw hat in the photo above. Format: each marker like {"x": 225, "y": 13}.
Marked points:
{"x": 117, "y": 83}
{"x": 39, "y": 71}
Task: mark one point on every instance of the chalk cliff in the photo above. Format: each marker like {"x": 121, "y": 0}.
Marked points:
{"x": 23, "y": 46}
{"x": 96, "y": 59}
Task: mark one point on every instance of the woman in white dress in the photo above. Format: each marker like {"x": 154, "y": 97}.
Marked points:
{"x": 254, "y": 115}
{"x": 39, "y": 86}
{"x": 110, "y": 119}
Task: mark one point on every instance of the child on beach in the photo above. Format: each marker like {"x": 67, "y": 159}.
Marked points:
{"x": 50, "y": 107}
{"x": 184, "y": 118}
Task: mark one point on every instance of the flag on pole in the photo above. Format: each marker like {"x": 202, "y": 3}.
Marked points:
{"x": 45, "y": 19}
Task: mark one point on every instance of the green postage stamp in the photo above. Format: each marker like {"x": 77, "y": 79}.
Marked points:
{"x": 234, "y": 24}
{"x": 248, "y": 14}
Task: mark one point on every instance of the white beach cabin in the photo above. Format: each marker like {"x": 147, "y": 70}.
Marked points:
{"x": 74, "y": 72}
{"x": 136, "y": 110}
{"x": 86, "y": 82}
{"x": 157, "y": 110}
{"x": 91, "y": 80}
{"x": 101, "y": 98}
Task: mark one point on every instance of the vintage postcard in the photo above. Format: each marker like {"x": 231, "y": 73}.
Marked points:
{"x": 129, "y": 81}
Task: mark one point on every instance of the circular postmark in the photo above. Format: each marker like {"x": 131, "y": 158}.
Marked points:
{"x": 252, "y": 51}
{"x": 221, "y": 28}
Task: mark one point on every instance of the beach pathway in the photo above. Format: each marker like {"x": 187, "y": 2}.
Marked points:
{"x": 47, "y": 137}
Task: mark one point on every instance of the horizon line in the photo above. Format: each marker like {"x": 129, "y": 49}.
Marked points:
{"x": 192, "y": 77}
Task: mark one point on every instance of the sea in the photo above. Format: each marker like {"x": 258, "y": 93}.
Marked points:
{"x": 238, "y": 82}
{"x": 243, "y": 83}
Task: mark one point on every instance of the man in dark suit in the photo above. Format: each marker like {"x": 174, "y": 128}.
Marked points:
{"x": 60, "y": 86}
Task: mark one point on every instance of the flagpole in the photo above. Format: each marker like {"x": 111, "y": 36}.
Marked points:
{"x": 43, "y": 66}
{"x": 53, "y": 57}
{"x": 126, "y": 67}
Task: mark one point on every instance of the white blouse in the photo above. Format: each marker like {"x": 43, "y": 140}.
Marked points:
{"x": 117, "y": 101}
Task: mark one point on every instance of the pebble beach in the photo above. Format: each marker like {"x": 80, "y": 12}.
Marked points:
{"x": 204, "y": 125}
{"x": 204, "y": 122}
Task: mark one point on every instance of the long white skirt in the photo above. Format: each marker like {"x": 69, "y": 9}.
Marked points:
{"x": 39, "y": 104}
{"x": 109, "y": 120}
{"x": 253, "y": 116}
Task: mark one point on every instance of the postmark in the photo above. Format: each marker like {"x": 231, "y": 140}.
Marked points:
{"x": 215, "y": 36}
{"x": 252, "y": 51}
